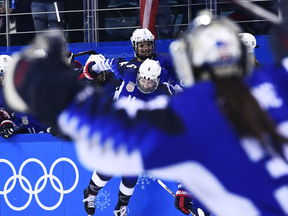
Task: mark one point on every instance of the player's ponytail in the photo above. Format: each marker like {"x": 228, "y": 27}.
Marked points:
{"x": 244, "y": 112}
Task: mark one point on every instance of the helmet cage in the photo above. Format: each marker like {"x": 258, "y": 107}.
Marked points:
{"x": 149, "y": 73}
{"x": 153, "y": 84}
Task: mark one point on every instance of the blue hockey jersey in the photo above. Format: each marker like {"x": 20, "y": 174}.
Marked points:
{"x": 188, "y": 138}
{"x": 127, "y": 70}
{"x": 28, "y": 123}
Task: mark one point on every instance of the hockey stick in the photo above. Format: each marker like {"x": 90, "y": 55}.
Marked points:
{"x": 200, "y": 212}
{"x": 88, "y": 52}
{"x": 59, "y": 23}
{"x": 258, "y": 11}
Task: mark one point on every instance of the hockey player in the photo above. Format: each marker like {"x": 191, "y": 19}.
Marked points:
{"x": 250, "y": 41}
{"x": 144, "y": 47}
{"x": 15, "y": 122}
{"x": 5, "y": 61}
{"x": 6, "y": 123}
{"x": 28, "y": 122}
{"x": 224, "y": 137}
{"x": 145, "y": 87}
{"x": 133, "y": 86}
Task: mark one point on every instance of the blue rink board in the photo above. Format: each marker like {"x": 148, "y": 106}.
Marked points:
{"x": 25, "y": 189}
{"x": 124, "y": 49}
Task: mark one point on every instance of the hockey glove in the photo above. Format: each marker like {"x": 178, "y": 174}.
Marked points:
{"x": 7, "y": 128}
{"x": 183, "y": 201}
{"x": 88, "y": 72}
{"x": 92, "y": 60}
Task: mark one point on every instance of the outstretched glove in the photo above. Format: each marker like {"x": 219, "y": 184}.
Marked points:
{"x": 92, "y": 60}
{"x": 183, "y": 201}
{"x": 7, "y": 128}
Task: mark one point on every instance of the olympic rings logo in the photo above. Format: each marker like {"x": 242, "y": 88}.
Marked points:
{"x": 37, "y": 190}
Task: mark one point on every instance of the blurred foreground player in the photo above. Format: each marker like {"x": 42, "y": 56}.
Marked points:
{"x": 216, "y": 113}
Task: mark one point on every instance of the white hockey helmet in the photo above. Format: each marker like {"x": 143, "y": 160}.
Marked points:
{"x": 211, "y": 48}
{"x": 148, "y": 76}
{"x": 249, "y": 40}
{"x": 5, "y": 61}
{"x": 140, "y": 35}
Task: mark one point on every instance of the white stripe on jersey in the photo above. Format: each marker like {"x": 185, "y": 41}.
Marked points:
{"x": 94, "y": 155}
{"x": 281, "y": 194}
{"x": 118, "y": 91}
{"x": 102, "y": 65}
{"x": 285, "y": 63}
{"x": 159, "y": 102}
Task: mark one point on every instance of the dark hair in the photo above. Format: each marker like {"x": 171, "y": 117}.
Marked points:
{"x": 244, "y": 112}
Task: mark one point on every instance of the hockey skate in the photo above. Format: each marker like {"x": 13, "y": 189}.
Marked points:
{"x": 121, "y": 212}
{"x": 89, "y": 202}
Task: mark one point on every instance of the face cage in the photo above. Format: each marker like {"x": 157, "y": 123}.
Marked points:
{"x": 146, "y": 90}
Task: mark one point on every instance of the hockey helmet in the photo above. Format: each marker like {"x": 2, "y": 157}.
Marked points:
{"x": 211, "y": 48}
{"x": 5, "y": 61}
{"x": 142, "y": 35}
{"x": 148, "y": 76}
{"x": 249, "y": 40}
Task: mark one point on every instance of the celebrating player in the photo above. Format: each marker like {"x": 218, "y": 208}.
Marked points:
{"x": 145, "y": 87}
{"x": 134, "y": 85}
{"x": 144, "y": 48}
{"x": 224, "y": 137}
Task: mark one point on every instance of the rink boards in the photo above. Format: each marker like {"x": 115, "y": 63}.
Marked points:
{"x": 124, "y": 49}
{"x": 41, "y": 175}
